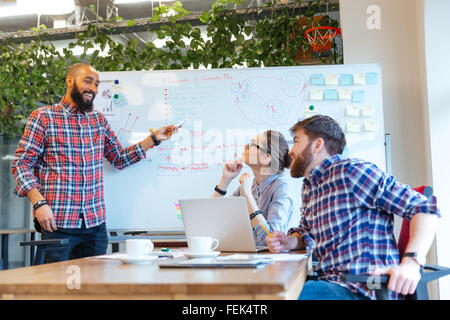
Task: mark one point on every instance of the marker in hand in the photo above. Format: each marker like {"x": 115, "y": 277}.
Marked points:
{"x": 182, "y": 122}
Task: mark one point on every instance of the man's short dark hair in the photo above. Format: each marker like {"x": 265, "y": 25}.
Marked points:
{"x": 325, "y": 127}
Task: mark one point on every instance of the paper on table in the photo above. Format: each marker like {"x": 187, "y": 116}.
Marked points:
{"x": 273, "y": 256}
{"x": 287, "y": 256}
{"x": 153, "y": 253}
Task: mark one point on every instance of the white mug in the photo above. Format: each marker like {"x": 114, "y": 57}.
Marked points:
{"x": 138, "y": 248}
{"x": 203, "y": 244}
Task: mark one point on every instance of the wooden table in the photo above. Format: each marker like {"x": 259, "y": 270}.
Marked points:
{"x": 110, "y": 279}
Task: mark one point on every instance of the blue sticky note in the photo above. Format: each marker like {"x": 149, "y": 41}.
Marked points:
{"x": 371, "y": 78}
{"x": 346, "y": 80}
{"x": 358, "y": 96}
{"x": 330, "y": 94}
{"x": 317, "y": 80}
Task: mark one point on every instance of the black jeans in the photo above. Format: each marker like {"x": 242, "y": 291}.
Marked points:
{"x": 82, "y": 243}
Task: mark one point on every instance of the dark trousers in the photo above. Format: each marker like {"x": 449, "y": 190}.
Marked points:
{"x": 82, "y": 243}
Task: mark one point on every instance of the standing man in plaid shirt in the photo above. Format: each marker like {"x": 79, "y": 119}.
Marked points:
{"x": 347, "y": 217}
{"x": 59, "y": 166}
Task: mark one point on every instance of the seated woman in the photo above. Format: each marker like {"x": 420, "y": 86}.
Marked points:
{"x": 268, "y": 199}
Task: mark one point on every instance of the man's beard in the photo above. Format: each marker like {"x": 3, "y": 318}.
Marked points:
{"x": 301, "y": 162}
{"x": 77, "y": 97}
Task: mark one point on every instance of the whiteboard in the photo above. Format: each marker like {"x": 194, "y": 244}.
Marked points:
{"x": 225, "y": 108}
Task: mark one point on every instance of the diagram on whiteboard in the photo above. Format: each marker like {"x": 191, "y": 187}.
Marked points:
{"x": 278, "y": 103}
{"x": 226, "y": 108}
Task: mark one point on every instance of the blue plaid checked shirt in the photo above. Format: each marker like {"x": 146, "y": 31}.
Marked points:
{"x": 347, "y": 218}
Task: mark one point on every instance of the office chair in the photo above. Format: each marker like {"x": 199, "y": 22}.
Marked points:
{"x": 428, "y": 272}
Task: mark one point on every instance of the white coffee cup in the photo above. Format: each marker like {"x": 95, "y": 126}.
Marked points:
{"x": 138, "y": 248}
{"x": 203, "y": 244}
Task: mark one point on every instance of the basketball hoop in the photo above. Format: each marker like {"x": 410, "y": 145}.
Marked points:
{"x": 321, "y": 38}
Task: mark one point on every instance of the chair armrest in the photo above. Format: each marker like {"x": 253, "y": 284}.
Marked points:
{"x": 434, "y": 272}
{"x": 44, "y": 242}
{"x": 134, "y": 232}
{"x": 433, "y": 267}
{"x": 378, "y": 282}
{"x": 364, "y": 278}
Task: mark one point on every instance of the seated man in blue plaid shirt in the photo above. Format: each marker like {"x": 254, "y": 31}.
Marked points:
{"x": 347, "y": 217}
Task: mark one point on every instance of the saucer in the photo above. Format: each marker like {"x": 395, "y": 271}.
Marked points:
{"x": 135, "y": 260}
{"x": 211, "y": 254}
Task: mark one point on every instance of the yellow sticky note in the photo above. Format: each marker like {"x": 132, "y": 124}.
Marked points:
{"x": 368, "y": 111}
{"x": 345, "y": 94}
{"x": 331, "y": 80}
{"x": 316, "y": 94}
{"x": 359, "y": 78}
{"x": 370, "y": 126}
{"x": 353, "y": 126}
{"x": 352, "y": 111}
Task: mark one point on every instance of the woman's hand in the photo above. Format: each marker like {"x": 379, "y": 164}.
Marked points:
{"x": 231, "y": 170}
{"x": 246, "y": 182}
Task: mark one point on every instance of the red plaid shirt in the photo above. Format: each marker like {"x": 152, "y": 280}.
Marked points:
{"x": 61, "y": 154}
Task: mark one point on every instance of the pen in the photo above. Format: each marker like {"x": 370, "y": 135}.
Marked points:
{"x": 262, "y": 225}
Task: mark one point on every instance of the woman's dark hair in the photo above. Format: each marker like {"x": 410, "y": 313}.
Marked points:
{"x": 326, "y": 128}
{"x": 278, "y": 148}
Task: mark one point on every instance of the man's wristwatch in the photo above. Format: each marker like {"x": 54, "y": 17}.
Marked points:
{"x": 155, "y": 141}
{"x": 39, "y": 204}
{"x": 254, "y": 214}
{"x": 416, "y": 257}
{"x": 220, "y": 191}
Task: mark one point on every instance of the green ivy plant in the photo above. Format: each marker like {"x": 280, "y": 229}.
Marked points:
{"x": 32, "y": 74}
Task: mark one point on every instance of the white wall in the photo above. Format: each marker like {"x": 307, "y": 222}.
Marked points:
{"x": 437, "y": 48}
{"x": 394, "y": 46}
{"x": 399, "y": 46}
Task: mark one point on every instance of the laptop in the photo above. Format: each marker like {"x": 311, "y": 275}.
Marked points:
{"x": 225, "y": 219}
